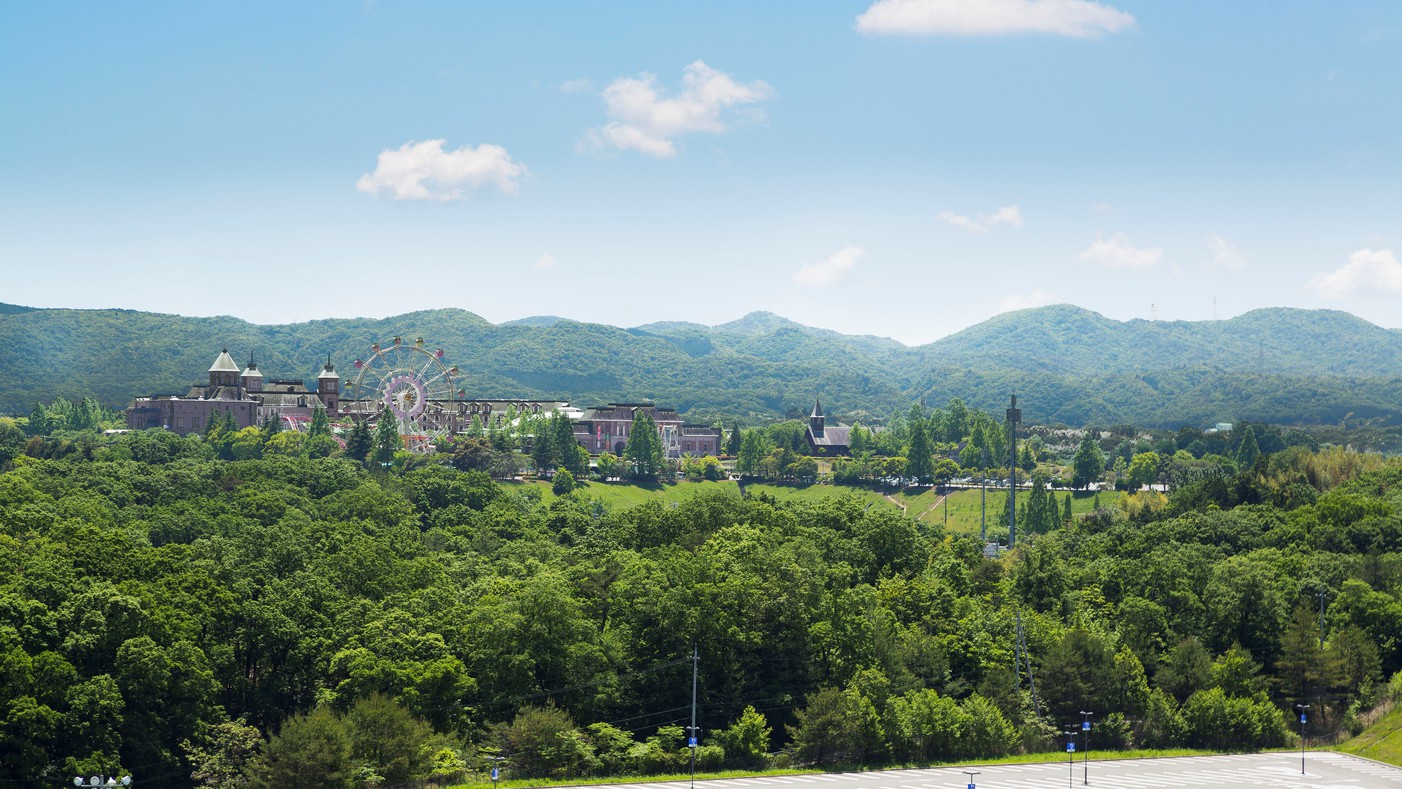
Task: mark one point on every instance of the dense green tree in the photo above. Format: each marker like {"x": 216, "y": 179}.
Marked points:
{"x": 388, "y": 739}
{"x": 386, "y": 438}
{"x": 732, "y": 441}
{"x": 1089, "y": 462}
{"x": 918, "y": 452}
{"x": 643, "y": 453}
{"x": 360, "y": 442}
{"x": 311, "y": 751}
{"x": 1248, "y": 451}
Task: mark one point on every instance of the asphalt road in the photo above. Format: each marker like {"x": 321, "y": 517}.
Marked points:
{"x": 1277, "y": 770}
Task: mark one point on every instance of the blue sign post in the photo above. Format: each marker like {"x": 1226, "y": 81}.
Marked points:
{"x": 496, "y": 773}
{"x": 691, "y": 742}
{"x": 1070, "y": 747}
{"x": 1085, "y": 725}
{"x": 1302, "y": 717}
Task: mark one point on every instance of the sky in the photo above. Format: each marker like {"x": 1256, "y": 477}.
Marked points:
{"x": 904, "y": 168}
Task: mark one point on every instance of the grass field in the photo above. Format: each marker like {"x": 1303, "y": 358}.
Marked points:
{"x": 1381, "y": 741}
{"x": 964, "y": 507}
{"x": 622, "y": 495}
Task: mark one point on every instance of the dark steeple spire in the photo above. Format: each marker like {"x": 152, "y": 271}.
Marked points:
{"x": 816, "y": 419}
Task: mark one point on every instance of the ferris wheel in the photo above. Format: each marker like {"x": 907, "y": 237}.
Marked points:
{"x": 413, "y": 382}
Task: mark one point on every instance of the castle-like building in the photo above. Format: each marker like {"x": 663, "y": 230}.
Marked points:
{"x": 605, "y": 429}
{"x": 252, "y": 400}
{"x": 245, "y": 394}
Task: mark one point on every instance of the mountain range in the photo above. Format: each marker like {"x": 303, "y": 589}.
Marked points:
{"x": 1067, "y": 364}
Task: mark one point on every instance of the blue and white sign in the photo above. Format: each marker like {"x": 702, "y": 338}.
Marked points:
{"x": 1085, "y": 725}
{"x": 971, "y": 786}
{"x": 496, "y": 773}
{"x": 1070, "y": 747}
{"x": 691, "y": 742}
{"x": 1302, "y": 717}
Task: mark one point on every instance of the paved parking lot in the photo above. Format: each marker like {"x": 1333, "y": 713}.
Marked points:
{"x": 1278, "y": 770}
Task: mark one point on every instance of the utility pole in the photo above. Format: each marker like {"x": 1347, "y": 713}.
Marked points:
{"x": 1014, "y": 415}
{"x": 1321, "y": 594}
{"x": 983, "y": 499}
{"x": 692, "y": 732}
{"x": 1085, "y": 757}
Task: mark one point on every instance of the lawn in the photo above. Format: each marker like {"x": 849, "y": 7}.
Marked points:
{"x": 1382, "y": 740}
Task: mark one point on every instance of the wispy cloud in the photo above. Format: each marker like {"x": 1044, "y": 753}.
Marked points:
{"x": 1224, "y": 255}
{"x": 1366, "y": 269}
{"x": 425, "y": 171}
{"x": 1117, "y": 252}
{"x": 646, "y": 120}
{"x": 1075, "y": 18}
{"x": 1037, "y": 298}
{"x": 826, "y": 272}
{"x": 544, "y": 262}
{"x": 581, "y": 85}
{"x": 1007, "y": 215}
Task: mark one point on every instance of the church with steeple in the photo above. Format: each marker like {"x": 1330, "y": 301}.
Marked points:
{"x": 244, "y": 393}
{"x": 825, "y": 440}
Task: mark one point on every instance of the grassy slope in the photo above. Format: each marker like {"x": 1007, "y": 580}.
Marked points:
{"x": 1381, "y": 741}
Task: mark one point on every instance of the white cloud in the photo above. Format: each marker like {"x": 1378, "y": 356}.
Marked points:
{"x": 545, "y": 261}
{"x": 1076, "y": 18}
{"x": 424, "y": 171}
{"x": 1117, "y": 252}
{"x": 581, "y": 85}
{"x": 1037, "y": 298}
{"x": 826, "y": 272}
{"x": 1366, "y": 269}
{"x": 646, "y": 120}
{"x": 1007, "y": 215}
{"x": 1224, "y": 255}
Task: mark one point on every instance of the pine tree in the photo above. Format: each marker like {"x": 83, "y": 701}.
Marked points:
{"x": 732, "y": 447}
{"x": 358, "y": 445}
{"x": 1249, "y": 451}
{"x": 386, "y": 437}
{"x": 38, "y": 420}
{"x": 918, "y": 454}
{"x": 643, "y": 454}
{"x": 561, "y": 431}
{"x": 320, "y": 425}
{"x": 543, "y": 450}
{"x": 1066, "y": 513}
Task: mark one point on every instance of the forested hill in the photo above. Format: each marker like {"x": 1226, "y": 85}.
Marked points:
{"x": 1068, "y": 364}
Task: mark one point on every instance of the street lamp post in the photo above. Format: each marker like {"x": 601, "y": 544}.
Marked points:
{"x": 101, "y": 781}
{"x": 496, "y": 768}
{"x": 971, "y": 774}
{"x": 1070, "y": 757}
{"x": 1085, "y": 758}
{"x": 1303, "y": 718}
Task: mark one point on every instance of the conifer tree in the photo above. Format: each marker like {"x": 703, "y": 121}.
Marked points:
{"x": 320, "y": 424}
{"x": 358, "y": 445}
{"x": 643, "y": 454}
{"x": 733, "y": 441}
{"x": 1249, "y": 450}
{"x": 918, "y": 454}
{"x": 1066, "y": 513}
{"x": 386, "y": 437}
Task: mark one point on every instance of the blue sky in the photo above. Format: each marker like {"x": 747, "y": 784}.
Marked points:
{"x": 896, "y": 167}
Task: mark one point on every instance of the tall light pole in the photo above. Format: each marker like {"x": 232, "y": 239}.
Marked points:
{"x": 1085, "y": 758}
{"x": 1303, "y": 718}
{"x": 971, "y": 774}
{"x": 1070, "y": 758}
{"x": 1014, "y": 415}
{"x": 983, "y": 498}
{"x": 692, "y": 732}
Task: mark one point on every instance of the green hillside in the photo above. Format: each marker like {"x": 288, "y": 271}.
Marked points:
{"x": 1382, "y": 740}
{"x": 1067, "y": 364}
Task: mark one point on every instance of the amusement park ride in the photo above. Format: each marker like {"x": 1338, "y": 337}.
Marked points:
{"x": 413, "y": 383}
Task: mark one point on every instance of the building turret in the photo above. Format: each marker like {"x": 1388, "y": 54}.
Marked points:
{"x": 224, "y": 372}
{"x": 251, "y": 379}
{"x": 328, "y": 387}
{"x": 816, "y": 419}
